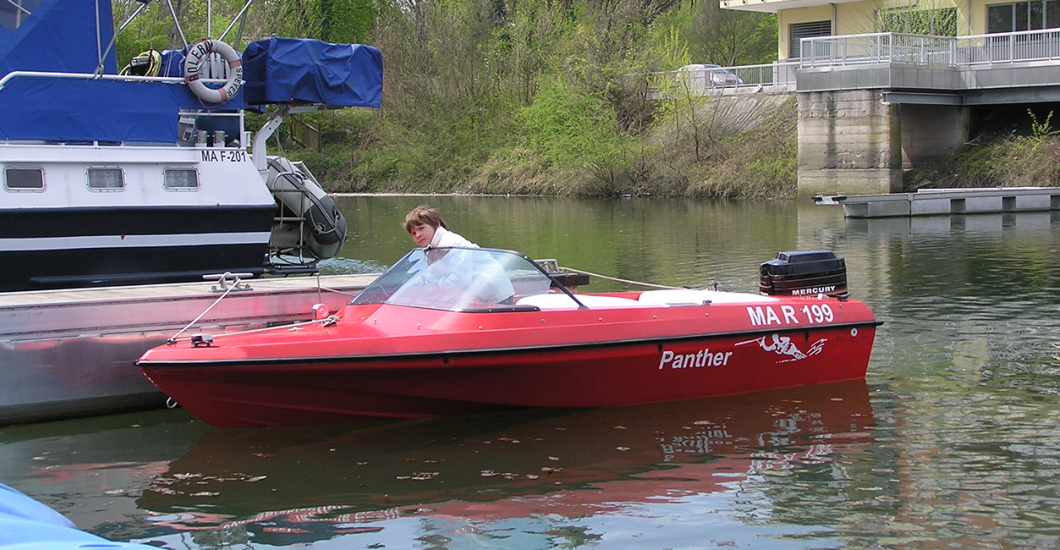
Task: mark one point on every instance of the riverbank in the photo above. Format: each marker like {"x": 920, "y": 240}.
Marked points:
{"x": 731, "y": 147}
{"x": 1011, "y": 160}
{"x": 697, "y": 147}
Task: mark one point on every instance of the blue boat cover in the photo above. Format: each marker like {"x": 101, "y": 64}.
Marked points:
{"x": 26, "y": 523}
{"x": 57, "y": 36}
{"x": 61, "y": 36}
{"x": 68, "y": 110}
{"x": 291, "y": 70}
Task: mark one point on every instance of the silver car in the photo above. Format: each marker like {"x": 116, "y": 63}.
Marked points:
{"x": 714, "y": 76}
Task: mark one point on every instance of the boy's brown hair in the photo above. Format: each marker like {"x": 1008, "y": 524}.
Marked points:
{"x": 423, "y": 215}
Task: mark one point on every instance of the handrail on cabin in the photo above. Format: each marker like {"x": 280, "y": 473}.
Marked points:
{"x": 89, "y": 76}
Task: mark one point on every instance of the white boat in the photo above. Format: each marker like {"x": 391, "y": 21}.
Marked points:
{"x": 141, "y": 179}
{"x": 120, "y": 179}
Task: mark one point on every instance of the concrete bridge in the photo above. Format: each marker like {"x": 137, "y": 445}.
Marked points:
{"x": 872, "y": 105}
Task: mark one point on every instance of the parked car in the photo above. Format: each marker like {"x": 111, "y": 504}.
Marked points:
{"x": 704, "y": 75}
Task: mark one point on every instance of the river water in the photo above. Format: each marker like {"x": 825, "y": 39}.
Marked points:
{"x": 952, "y": 441}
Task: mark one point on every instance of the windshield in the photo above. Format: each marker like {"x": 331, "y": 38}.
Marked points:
{"x": 457, "y": 279}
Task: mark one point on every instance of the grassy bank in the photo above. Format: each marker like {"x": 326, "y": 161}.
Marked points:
{"x": 1016, "y": 147}
{"x": 703, "y": 147}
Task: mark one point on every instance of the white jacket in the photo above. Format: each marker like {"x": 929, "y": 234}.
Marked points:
{"x": 443, "y": 238}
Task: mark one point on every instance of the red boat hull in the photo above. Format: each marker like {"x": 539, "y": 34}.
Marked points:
{"x": 399, "y": 362}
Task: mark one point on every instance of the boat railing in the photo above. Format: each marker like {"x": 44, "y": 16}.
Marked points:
{"x": 88, "y": 76}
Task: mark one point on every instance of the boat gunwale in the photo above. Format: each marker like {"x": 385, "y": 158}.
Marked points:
{"x": 323, "y": 360}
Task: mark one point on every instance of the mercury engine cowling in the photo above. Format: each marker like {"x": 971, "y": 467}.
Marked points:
{"x": 804, "y": 273}
{"x": 308, "y": 222}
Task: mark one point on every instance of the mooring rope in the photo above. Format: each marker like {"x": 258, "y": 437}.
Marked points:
{"x": 331, "y": 318}
{"x": 296, "y": 325}
{"x": 627, "y": 281}
{"x": 173, "y": 338}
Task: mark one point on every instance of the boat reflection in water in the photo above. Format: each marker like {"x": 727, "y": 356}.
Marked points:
{"x": 293, "y": 485}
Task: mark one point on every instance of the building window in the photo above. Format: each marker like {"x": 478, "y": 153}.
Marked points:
{"x": 19, "y": 179}
{"x": 106, "y": 179}
{"x": 182, "y": 178}
{"x": 806, "y": 30}
{"x": 1023, "y": 16}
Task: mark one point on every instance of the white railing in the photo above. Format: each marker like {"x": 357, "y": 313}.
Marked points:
{"x": 1024, "y": 46}
{"x": 887, "y": 48}
{"x": 875, "y": 49}
{"x": 780, "y": 74}
{"x": 710, "y": 79}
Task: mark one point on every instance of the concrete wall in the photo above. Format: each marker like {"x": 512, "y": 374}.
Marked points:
{"x": 931, "y": 133}
{"x": 849, "y": 142}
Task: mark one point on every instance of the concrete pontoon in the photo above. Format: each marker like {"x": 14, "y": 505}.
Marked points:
{"x": 936, "y": 202}
{"x": 67, "y": 353}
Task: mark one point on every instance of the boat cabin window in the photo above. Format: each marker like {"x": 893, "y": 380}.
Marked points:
{"x": 24, "y": 179}
{"x": 182, "y": 178}
{"x": 106, "y": 179}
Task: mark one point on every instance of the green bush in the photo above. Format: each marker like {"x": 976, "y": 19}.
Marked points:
{"x": 570, "y": 128}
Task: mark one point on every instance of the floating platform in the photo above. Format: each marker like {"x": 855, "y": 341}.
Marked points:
{"x": 943, "y": 202}
{"x": 68, "y": 353}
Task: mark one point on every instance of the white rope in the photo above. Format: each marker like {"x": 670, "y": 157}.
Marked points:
{"x": 173, "y": 338}
{"x": 627, "y": 281}
{"x": 329, "y": 319}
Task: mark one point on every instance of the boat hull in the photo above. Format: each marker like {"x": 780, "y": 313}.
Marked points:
{"x": 635, "y": 356}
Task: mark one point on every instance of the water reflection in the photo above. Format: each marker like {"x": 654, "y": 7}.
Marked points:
{"x": 770, "y": 448}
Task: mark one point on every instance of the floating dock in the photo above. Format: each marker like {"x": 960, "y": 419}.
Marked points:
{"x": 68, "y": 353}
{"x": 942, "y": 202}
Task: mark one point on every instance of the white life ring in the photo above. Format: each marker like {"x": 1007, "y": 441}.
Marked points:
{"x": 193, "y": 63}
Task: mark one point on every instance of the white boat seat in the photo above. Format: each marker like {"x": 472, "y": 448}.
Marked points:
{"x": 685, "y": 297}
{"x": 562, "y": 301}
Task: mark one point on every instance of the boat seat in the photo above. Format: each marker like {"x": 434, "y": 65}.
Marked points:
{"x": 686, "y": 297}
{"x": 562, "y": 301}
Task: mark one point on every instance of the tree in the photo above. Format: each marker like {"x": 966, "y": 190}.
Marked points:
{"x": 729, "y": 37}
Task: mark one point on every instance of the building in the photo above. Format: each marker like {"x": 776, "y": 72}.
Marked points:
{"x": 797, "y": 19}
{"x": 888, "y": 85}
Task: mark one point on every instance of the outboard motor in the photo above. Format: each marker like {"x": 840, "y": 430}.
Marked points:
{"x": 804, "y": 273}
{"x": 308, "y": 222}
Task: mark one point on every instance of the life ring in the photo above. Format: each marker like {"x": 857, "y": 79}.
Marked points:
{"x": 193, "y": 63}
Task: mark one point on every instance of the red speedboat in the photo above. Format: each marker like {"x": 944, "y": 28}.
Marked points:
{"x": 458, "y": 331}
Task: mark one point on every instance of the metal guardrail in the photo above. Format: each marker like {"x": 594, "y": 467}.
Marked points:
{"x": 887, "y": 48}
{"x": 703, "y": 80}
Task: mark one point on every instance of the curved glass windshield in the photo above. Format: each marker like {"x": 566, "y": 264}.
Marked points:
{"x": 457, "y": 279}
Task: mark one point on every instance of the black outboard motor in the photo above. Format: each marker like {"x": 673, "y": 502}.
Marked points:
{"x": 804, "y": 273}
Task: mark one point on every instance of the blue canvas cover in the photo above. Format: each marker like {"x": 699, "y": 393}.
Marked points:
{"x": 291, "y": 70}
{"x": 87, "y": 110}
{"x": 71, "y": 110}
{"x": 26, "y": 523}
{"x": 58, "y": 36}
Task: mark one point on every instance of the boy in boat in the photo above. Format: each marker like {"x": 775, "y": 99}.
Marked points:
{"x": 428, "y": 230}
{"x": 486, "y": 281}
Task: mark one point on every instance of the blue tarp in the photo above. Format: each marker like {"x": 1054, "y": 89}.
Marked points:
{"x": 26, "y": 523}
{"x": 70, "y": 109}
{"x": 290, "y": 70}
{"x": 59, "y": 36}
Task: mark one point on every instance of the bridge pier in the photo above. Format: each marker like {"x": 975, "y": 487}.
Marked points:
{"x": 849, "y": 142}
{"x": 856, "y": 142}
